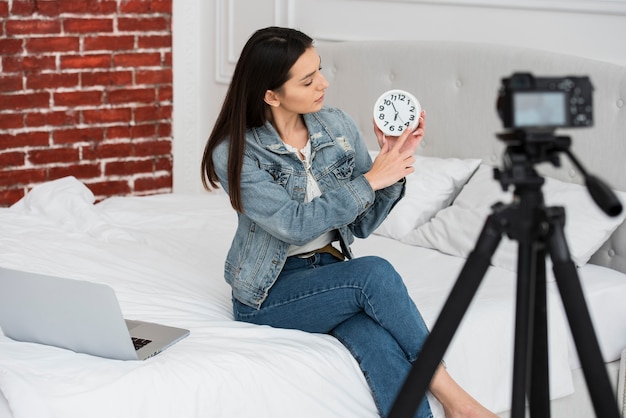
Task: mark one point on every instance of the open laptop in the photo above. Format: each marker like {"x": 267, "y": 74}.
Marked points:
{"x": 77, "y": 315}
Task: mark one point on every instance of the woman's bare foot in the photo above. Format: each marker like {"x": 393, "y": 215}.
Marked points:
{"x": 455, "y": 401}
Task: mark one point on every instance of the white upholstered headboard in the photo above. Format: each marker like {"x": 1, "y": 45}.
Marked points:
{"x": 457, "y": 84}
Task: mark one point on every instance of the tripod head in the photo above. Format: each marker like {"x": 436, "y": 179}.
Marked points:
{"x": 525, "y": 148}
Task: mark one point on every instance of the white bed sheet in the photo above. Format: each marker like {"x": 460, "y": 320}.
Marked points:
{"x": 164, "y": 257}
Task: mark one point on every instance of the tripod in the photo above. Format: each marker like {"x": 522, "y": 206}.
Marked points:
{"x": 539, "y": 232}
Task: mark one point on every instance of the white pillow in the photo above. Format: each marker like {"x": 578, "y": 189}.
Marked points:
{"x": 454, "y": 230}
{"x": 431, "y": 187}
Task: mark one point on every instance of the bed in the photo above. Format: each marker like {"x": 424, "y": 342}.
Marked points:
{"x": 164, "y": 255}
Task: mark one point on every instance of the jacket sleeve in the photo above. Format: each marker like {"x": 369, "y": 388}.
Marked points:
{"x": 385, "y": 199}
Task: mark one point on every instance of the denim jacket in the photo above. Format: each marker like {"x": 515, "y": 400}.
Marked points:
{"x": 273, "y": 189}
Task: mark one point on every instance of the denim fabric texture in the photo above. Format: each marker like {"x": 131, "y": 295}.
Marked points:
{"x": 362, "y": 302}
{"x": 273, "y": 189}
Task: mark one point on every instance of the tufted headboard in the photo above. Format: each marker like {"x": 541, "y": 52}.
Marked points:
{"x": 457, "y": 83}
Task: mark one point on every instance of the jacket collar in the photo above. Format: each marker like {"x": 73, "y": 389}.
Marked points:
{"x": 319, "y": 135}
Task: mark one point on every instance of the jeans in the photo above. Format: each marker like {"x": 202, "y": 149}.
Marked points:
{"x": 363, "y": 303}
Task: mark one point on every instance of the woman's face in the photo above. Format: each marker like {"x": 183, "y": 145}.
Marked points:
{"x": 304, "y": 91}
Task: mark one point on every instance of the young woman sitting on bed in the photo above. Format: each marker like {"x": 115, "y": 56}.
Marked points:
{"x": 300, "y": 177}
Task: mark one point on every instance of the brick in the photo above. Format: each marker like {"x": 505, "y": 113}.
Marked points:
{"x": 66, "y": 136}
{"x": 87, "y": 6}
{"x": 166, "y": 94}
{"x": 10, "y": 46}
{"x": 108, "y": 150}
{"x": 55, "y": 80}
{"x": 31, "y": 27}
{"x": 106, "y": 78}
{"x": 163, "y": 76}
{"x": 156, "y": 41}
{"x": 87, "y": 25}
{"x": 78, "y": 98}
{"x": 53, "y": 155}
{"x": 13, "y": 64}
{"x": 109, "y": 43}
{"x": 152, "y": 148}
{"x": 47, "y": 7}
{"x": 10, "y": 83}
{"x": 128, "y": 167}
{"x": 4, "y": 9}
{"x": 52, "y": 118}
{"x": 23, "y": 8}
{"x": 167, "y": 59}
{"x": 152, "y": 113}
{"x": 164, "y": 129}
{"x": 52, "y": 44}
{"x": 85, "y": 61}
{"x": 163, "y": 164}
{"x": 137, "y": 59}
{"x": 138, "y": 131}
{"x": 109, "y": 188}
{"x": 11, "y": 120}
{"x": 125, "y": 24}
{"x": 24, "y": 101}
{"x": 135, "y": 6}
{"x": 26, "y": 139}
{"x": 107, "y": 115}
{"x": 16, "y": 177}
{"x": 131, "y": 96}
{"x": 162, "y": 6}
{"x": 10, "y": 196}
{"x": 79, "y": 170}
{"x": 162, "y": 182}
{"x": 12, "y": 159}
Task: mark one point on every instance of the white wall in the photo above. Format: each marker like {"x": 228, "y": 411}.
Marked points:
{"x": 208, "y": 35}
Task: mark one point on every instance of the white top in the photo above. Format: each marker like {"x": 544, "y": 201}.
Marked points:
{"x": 312, "y": 191}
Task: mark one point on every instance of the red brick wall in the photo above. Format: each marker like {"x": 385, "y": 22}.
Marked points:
{"x": 86, "y": 90}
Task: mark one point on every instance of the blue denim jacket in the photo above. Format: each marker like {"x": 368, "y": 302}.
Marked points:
{"x": 273, "y": 189}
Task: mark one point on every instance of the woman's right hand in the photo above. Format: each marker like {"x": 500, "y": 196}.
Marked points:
{"x": 395, "y": 159}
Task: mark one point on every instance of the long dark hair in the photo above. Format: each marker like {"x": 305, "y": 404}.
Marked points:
{"x": 263, "y": 65}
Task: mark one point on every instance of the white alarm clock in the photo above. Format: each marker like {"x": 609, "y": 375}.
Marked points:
{"x": 396, "y": 110}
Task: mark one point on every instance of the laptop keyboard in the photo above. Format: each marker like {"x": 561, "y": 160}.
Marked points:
{"x": 140, "y": 342}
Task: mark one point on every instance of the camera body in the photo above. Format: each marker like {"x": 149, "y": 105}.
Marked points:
{"x": 543, "y": 103}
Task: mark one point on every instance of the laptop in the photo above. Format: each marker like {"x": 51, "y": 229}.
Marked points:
{"x": 77, "y": 315}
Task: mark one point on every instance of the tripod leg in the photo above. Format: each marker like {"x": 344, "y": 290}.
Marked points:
{"x": 418, "y": 379}
{"x": 522, "y": 331}
{"x": 587, "y": 346}
{"x": 539, "y": 390}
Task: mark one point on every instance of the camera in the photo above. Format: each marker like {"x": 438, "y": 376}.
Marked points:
{"x": 543, "y": 103}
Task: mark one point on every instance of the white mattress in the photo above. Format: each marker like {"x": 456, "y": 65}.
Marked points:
{"x": 164, "y": 257}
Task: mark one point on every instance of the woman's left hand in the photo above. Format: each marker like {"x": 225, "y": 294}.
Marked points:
{"x": 411, "y": 142}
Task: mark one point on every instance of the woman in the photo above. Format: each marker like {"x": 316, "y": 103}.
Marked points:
{"x": 301, "y": 178}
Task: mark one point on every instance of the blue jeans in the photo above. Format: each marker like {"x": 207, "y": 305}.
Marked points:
{"x": 363, "y": 303}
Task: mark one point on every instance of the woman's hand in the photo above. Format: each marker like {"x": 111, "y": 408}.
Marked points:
{"x": 395, "y": 159}
{"x": 417, "y": 134}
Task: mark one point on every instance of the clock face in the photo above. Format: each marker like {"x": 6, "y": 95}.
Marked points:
{"x": 395, "y": 111}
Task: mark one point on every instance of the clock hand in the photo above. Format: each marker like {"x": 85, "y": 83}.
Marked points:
{"x": 395, "y": 116}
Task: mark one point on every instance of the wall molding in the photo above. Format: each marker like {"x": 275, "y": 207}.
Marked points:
{"x": 225, "y": 25}
{"x": 582, "y": 6}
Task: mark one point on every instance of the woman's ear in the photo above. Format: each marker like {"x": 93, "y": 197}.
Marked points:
{"x": 271, "y": 98}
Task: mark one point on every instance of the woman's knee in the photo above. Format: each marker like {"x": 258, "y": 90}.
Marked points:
{"x": 381, "y": 271}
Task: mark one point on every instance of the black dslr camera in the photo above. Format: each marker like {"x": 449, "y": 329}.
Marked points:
{"x": 543, "y": 103}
